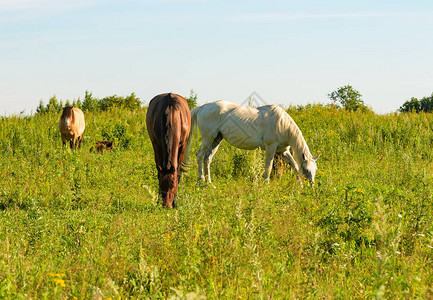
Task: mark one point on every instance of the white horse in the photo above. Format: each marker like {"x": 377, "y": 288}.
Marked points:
{"x": 267, "y": 127}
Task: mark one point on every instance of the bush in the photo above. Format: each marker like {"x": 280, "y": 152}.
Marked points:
{"x": 415, "y": 105}
{"x": 192, "y": 99}
{"x": 117, "y": 133}
{"x": 91, "y": 103}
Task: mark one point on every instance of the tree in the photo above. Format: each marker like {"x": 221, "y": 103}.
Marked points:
{"x": 89, "y": 103}
{"x": 348, "y": 97}
{"x": 415, "y": 105}
{"x": 192, "y": 99}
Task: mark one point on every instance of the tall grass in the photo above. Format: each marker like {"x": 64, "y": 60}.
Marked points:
{"x": 85, "y": 225}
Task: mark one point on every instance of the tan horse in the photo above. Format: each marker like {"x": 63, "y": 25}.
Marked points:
{"x": 72, "y": 126}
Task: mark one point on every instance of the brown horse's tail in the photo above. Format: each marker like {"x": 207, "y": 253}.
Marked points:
{"x": 193, "y": 129}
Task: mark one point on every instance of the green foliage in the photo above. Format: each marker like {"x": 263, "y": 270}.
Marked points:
{"x": 192, "y": 99}
{"x": 349, "y": 98}
{"x": 53, "y": 105}
{"x": 415, "y": 105}
{"x": 91, "y": 103}
{"x": 117, "y": 133}
{"x": 86, "y": 225}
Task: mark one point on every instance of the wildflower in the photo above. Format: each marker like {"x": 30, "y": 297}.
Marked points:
{"x": 400, "y": 216}
{"x": 60, "y": 282}
{"x": 359, "y": 191}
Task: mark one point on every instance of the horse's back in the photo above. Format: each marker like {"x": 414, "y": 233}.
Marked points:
{"x": 168, "y": 121}
{"x": 161, "y": 106}
{"x": 79, "y": 120}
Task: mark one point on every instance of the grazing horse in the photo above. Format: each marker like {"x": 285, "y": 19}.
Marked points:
{"x": 72, "y": 126}
{"x": 100, "y": 146}
{"x": 267, "y": 127}
{"x": 168, "y": 122}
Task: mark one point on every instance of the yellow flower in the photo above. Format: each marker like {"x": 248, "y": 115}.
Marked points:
{"x": 60, "y": 282}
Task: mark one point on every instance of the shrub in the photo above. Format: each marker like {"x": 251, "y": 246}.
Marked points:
{"x": 415, "y": 105}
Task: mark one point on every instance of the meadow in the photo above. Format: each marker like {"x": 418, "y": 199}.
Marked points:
{"x": 83, "y": 225}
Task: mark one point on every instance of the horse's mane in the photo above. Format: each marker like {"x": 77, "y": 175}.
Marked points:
{"x": 68, "y": 111}
{"x": 286, "y": 125}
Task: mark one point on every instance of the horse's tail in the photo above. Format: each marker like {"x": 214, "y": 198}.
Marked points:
{"x": 192, "y": 131}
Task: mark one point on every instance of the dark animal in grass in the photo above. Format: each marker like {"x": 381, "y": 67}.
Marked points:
{"x": 72, "y": 126}
{"x": 168, "y": 122}
{"x": 102, "y": 146}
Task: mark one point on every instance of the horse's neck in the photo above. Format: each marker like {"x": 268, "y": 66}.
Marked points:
{"x": 297, "y": 142}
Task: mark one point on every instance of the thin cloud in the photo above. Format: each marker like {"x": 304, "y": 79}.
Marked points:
{"x": 274, "y": 17}
{"x": 21, "y": 10}
{"x": 42, "y": 5}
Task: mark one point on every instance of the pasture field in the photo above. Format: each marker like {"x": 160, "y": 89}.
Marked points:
{"x": 83, "y": 225}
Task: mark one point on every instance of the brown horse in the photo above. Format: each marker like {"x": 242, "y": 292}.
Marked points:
{"x": 168, "y": 122}
{"x": 72, "y": 126}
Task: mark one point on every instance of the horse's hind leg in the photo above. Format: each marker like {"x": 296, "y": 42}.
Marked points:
{"x": 200, "y": 156}
{"x": 209, "y": 154}
{"x": 270, "y": 153}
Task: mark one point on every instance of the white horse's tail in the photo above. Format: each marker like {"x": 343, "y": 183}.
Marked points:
{"x": 193, "y": 129}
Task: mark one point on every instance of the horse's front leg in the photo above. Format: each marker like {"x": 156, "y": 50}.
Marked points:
{"x": 288, "y": 158}
{"x": 63, "y": 141}
{"x": 270, "y": 153}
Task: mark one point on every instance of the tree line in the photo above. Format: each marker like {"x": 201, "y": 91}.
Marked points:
{"x": 90, "y": 103}
{"x": 415, "y": 105}
{"x": 345, "y": 97}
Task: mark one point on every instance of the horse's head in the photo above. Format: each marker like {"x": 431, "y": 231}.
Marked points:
{"x": 309, "y": 166}
{"x": 67, "y": 116}
{"x": 168, "y": 183}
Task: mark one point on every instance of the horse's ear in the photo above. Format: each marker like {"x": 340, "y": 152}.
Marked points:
{"x": 316, "y": 157}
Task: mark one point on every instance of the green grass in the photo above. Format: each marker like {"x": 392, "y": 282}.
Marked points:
{"x": 85, "y": 225}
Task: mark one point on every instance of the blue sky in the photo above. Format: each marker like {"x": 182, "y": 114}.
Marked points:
{"x": 289, "y": 52}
